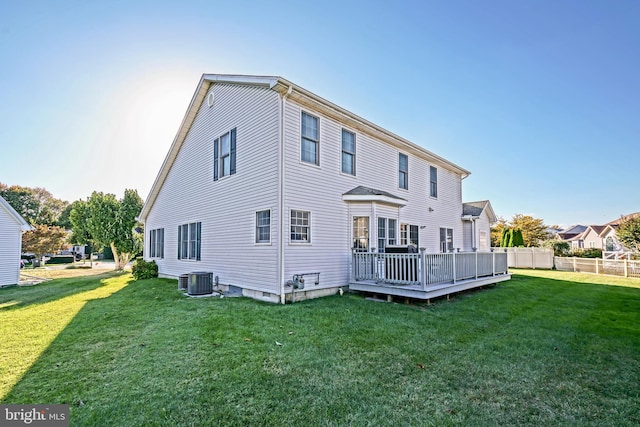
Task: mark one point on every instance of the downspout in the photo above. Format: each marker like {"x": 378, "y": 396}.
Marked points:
{"x": 281, "y": 187}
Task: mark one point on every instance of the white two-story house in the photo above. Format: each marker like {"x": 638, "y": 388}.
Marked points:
{"x": 266, "y": 180}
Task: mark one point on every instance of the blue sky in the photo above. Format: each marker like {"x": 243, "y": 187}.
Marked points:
{"x": 540, "y": 100}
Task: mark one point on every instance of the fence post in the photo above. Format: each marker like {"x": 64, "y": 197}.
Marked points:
{"x": 597, "y": 266}
{"x": 574, "y": 264}
{"x": 626, "y": 267}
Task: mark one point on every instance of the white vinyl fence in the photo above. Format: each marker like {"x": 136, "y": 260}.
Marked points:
{"x": 528, "y": 257}
{"x": 615, "y": 267}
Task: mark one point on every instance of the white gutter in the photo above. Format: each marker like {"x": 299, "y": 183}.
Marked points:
{"x": 281, "y": 178}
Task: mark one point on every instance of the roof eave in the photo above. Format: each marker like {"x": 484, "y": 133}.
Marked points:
{"x": 373, "y": 198}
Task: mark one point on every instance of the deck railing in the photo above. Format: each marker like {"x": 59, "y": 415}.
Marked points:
{"x": 426, "y": 269}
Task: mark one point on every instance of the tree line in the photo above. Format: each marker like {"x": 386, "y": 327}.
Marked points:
{"x": 100, "y": 221}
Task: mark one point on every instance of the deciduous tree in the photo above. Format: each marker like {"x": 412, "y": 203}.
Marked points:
{"x": 44, "y": 239}
{"x": 628, "y": 233}
{"x": 106, "y": 221}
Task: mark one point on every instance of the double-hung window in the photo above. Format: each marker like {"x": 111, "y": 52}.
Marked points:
{"x": 224, "y": 155}
{"x": 361, "y": 233}
{"x": 263, "y": 226}
{"x": 386, "y": 233}
{"x": 310, "y": 144}
{"x": 446, "y": 240}
{"x": 409, "y": 235}
{"x": 433, "y": 181}
{"x": 156, "y": 243}
{"x": 189, "y": 241}
{"x": 403, "y": 171}
{"x": 348, "y": 152}
{"x": 300, "y": 226}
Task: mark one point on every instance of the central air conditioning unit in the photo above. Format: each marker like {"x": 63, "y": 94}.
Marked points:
{"x": 183, "y": 282}
{"x": 200, "y": 283}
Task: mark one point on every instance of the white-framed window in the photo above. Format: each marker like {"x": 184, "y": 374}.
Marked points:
{"x": 386, "y": 233}
{"x": 348, "y": 152}
{"x": 156, "y": 243}
{"x": 592, "y": 244}
{"x": 310, "y": 139}
{"x": 361, "y": 233}
{"x": 446, "y": 240}
{"x": 403, "y": 171}
{"x": 224, "y": 155}
{"x": 300, "y": 226}
{"x": 433, "y": 181}
{"x": 409, "y": 235}
{"x": 263, "y": 226}
{"x": 189, "y": 241}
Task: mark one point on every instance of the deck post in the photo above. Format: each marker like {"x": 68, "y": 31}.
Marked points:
{"x": 422, "y": 270}
{"x": 493, "y": 263}
{"x": 476, "y": 265}
{"x": 353, "y": 265}
{"x": 453, "y": 263}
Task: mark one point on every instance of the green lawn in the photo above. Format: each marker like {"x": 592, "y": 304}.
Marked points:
{"x": 546, "y": 348}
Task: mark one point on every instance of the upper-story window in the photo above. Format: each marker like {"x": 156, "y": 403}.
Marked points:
{"x": 403, "y": 171}
{"x": 310, "y": 143}
{"x": 224, "y": 155}
{"x": 433, "y": 181}
{"x": 348, "y": 152}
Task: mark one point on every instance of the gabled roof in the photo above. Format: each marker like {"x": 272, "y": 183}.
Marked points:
{"x": 299, "y": 95}
{"x": 475, "y": 209}
{"x": 366, "y": 194}
{"x": 24, "y": 225}
{"x": 622, "y": 218}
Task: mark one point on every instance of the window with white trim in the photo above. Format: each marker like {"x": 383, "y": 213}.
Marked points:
{"x": 300, "y": 226}
{"x": 361, "y": 233}
{"x": 310, "y": 139}
{"x": 348, "y": 152}
{"x": 403, "y": 171}
{"x": 386, "y": 233}
{"x": 433, "y": 181}
{"x": 224, "y": 155}
{"x": 263, "y": 226}
{"x": 446, "y": 240}
{"x": 189, "y": 241}
{"x": 409, "y": 235}
{"x": 156, "y": 243}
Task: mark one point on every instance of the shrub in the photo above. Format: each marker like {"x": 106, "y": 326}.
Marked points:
{"x": 560, "y": 247}
{"x": 587, "y": 253}
{"x": 144, "y": 270}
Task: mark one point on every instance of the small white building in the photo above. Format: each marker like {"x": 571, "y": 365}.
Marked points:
{"x": 266, "y": 180}
{"x": 11, "y": 227}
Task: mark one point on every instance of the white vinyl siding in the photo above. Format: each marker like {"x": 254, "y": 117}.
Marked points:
{"x": 10, "y": 244}
{"x": 188, "y": 194}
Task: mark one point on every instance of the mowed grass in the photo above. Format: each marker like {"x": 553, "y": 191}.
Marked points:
{"x": 546, "y": 348}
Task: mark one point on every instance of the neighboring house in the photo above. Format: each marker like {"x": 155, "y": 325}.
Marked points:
{"x": 266, "y": 180}
{"x": 11, "y": 227}
{"x": 601, "y": 237}
{"x": 477, "y": 218}
{"x": 573, "y": 235}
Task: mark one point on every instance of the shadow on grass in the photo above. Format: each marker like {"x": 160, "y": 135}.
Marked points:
{"x": 16, "y": 297}
{"x": 528, "y": 351}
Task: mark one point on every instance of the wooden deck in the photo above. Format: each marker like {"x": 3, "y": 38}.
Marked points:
{"x": 425, "y": 276}
{"x": 432, "y": 291}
